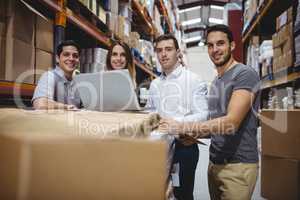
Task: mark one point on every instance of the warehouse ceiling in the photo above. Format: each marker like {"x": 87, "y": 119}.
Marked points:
{"x": 196, "y": 15}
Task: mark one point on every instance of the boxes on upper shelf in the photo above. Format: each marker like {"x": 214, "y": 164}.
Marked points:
{"x": 44, "y": 34}
{"x": 43, "y": 62}
{"x": 283, "y": 45}
{"x": 92, "y": 60}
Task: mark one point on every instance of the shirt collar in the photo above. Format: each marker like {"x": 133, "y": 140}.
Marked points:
{"x": 60, "y": 73}
{"x": 174, "y": 74}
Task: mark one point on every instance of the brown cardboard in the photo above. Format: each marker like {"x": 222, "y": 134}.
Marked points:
{"x": 2, "y": 58}
{"x": 20, "y": 22}
{"x": 288, "y": 45}
{"x": 44, "y": 34}
{"x": 275, "y": 40}
{"x": 46, "y": 156}
{"x": 288, "y": 59}
{"x": 19, "y": 61}
{"x": 275, "y": 64}
{"x": 277, "y": 52}
{"x": 280, "y": 133}
{"x": 43, "y": 62}
{"x": 280, "y": 178}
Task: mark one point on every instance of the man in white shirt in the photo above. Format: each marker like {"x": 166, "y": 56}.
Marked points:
{"x": 180, "y": 94}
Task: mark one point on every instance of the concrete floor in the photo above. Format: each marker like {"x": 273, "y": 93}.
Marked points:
{"x": 201, "y": 186}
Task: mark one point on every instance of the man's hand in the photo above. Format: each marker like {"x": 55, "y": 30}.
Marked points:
{"x": 188, "y": 140}
{"x": 170, "y": 126}
{"x": 71, "y": 107}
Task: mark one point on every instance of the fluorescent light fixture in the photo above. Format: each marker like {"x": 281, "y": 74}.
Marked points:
{"x": 190, "y": 22}
{"x": 192, "y": 39}
{"x": 190, "y": 9}
{"x": 217, "y": 7}
{"x": 201, "y": 44}
{"x": 215, "y": 21}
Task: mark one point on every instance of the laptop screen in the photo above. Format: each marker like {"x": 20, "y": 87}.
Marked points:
{"x": 107, "y": 91}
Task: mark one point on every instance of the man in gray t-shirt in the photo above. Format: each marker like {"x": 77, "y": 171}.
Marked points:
{"x": 56, "y": 88}
{"x": 233, "y": 103}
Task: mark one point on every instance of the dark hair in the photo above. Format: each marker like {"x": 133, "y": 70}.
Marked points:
{"x": 166, "y": 37}
{"x": 129, "y": 60}
{"x": 66, "y": 43}
{"x": 222, "y": 28}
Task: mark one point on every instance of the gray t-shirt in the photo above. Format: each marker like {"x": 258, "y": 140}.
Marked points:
{"x": 54, "y": 85}
{"x": 242, "y": 145}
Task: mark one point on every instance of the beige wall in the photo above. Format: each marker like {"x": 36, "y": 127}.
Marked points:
{"x": 199, "y": 62}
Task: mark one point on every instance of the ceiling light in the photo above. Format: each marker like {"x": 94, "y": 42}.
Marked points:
{"x": 192, "y": 39}
{"x": 190, "y": 22}
{"x": 217, "y": 7}
{"x": 215, "y": 20}
{"x": 190, "y": 9}
{"x": 201, "y": 43}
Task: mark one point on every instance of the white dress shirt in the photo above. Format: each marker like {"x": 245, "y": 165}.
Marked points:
{"x": 180, "y": 95}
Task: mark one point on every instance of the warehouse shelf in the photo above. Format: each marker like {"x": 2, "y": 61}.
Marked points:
{"x": 256, "y": 20}
{"x": 144, "y": 15}
{"x": 163, "y": 11}
{"x": 93, "y": 30}
{"x": 279, "y": 81}
{"x": 80, "y": 22}
{"x": 144, "y": 68}
{"x": 8, "y": 88}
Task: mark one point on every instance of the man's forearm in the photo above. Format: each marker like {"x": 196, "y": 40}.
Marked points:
{"x": 45, "y": 103}
{"x": 218, "y": 126}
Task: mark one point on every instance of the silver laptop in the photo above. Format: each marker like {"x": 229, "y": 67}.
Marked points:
{"x": 107, "y": 91}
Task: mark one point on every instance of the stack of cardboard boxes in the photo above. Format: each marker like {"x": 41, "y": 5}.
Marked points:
{"x": 283, "y": 41}
{"x": 26, "y": 43}
{"x": 280, "y": 165}
{"x": 297, "y": 36}
{"x": 82, "y": 155}
{"x": 44, "y": 50}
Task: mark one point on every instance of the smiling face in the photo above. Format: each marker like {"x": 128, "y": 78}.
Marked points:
{"x": 167, "y": 55}
{"x": 219, "y": 48}
{"x": 118, "y": 58}
{"x": 68, "y": 60}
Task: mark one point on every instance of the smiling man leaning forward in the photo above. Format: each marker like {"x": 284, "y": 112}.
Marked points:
{"x": 56, "y": 88}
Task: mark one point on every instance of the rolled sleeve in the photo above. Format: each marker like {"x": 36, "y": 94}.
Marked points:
{"x": 45, "y": 87}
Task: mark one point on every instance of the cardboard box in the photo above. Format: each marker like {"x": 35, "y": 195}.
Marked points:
{"x": 85, "y": 2}
{"x": 43, "y": 62}
{"x": 287, "y": 59}
{"x": 19, "y": 61}
{"x": 280, "y": 178}
{"x": 101, "y": 14}
{"x": 280, "y": 133}
{"x": 46, "y": 157}
{"x": 44, "y": 34}
{"x": 93, "y": 6}
{"x": 284, "y": 18}
{"x": 121, "y": 27}
{"x": 277, "y": 52}
{"x": 275, "y": 40}
{"x": 2, "y": 58}
{"x": 20, "y": 22}
{"x": 288, "y": 45}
